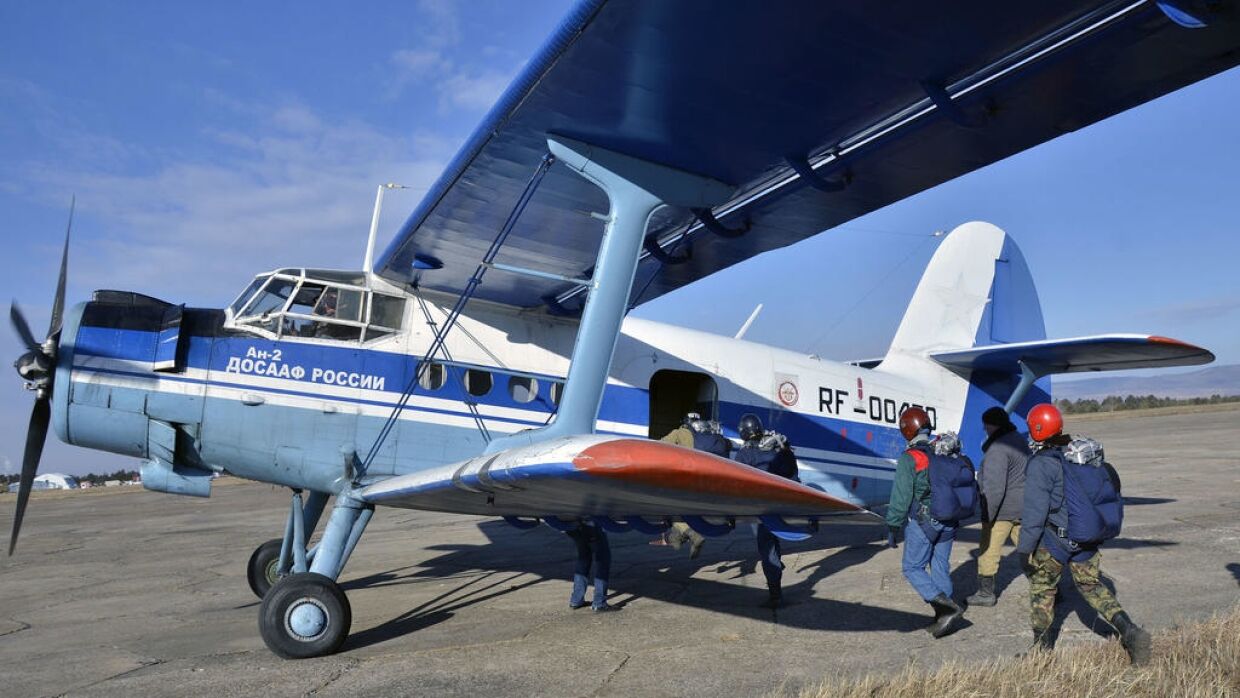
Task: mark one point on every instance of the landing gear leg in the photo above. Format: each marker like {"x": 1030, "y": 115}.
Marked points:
{"x": 279, "y": 557}
{"x": 305, "y": 614}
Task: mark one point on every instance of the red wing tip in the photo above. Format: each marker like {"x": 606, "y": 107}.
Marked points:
{"x": 1171, "y": 341}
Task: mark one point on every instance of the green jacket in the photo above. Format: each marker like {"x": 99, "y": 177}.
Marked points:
{"x": 909, "y": 486}
{"x": 680, "y": 436}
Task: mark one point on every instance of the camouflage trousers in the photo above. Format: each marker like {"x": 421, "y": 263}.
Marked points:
{"x": 680, "y": 533}
{"x": 1044, "y": 582}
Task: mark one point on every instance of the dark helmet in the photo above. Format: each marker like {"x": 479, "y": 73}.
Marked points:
{"x": 750, "y": 427}
{"x": 912, "y": 421}
{"x": 1044, "y": 421}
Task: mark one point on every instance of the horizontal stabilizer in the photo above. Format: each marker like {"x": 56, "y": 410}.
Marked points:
{"x": 1110, "y": 352}
{"x": 604, "y": 476}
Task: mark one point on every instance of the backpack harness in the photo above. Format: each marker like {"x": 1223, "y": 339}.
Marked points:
{"x": 953, "y": 487}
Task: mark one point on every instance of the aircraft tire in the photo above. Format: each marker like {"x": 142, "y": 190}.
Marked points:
{"x": 322, "y": 626}
{"x": 261, "y": 571}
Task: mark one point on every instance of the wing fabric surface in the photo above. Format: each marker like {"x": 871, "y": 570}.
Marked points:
{"x": 604, "y": 476}
{"x": 1112, "y": 352}
{"x": 883, "y": 99}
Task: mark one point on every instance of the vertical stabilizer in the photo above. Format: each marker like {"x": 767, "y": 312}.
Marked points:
{"x": 976, "y": 291}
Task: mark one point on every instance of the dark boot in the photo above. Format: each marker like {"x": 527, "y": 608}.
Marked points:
{"x": 1043, "y": 641}
{"x": 947, "y": 612}
{"x": 1135, "y": 640}
{"x": 774, "y": 599}
{"x": 985, "y": 595}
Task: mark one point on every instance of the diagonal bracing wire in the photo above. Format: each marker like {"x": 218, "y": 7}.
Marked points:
{"x": 437, "y": 344}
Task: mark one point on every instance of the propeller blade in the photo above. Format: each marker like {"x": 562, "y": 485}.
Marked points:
{"x": 23, "y": 328}
{"x": 35, "y": 436}
{"x": 58, "y": 305}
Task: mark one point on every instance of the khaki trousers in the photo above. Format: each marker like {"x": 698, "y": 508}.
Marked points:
{"x": 990, "y": 549}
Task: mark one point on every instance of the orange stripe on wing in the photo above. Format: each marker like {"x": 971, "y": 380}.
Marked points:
{"x": 666, "y": 466}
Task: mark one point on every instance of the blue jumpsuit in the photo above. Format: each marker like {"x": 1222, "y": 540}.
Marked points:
{"x": 779, "y": 462}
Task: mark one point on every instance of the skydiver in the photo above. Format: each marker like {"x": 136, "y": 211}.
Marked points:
{"x": 703, "y": 435}
{"x": 1065, "y": 476}
{"x": 927, "y": 538}
{"x": 1002, "y": 479}
{"x": 593, "y": 552}
{"x": 767, "y": 451}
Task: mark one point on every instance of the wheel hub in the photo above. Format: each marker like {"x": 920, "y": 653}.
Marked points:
{"x": 272, "y": 571}
{"x": 306, "y": 619}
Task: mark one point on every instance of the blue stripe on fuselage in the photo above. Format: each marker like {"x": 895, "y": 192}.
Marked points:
{"x": 621, "y": 404}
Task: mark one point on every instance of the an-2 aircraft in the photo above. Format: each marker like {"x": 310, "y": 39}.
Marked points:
{"x": 646, "y": 145}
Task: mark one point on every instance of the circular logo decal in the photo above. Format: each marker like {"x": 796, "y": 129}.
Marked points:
{"x": 788, "y": 393}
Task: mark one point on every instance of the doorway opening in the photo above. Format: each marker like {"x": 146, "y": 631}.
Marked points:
{"x": 673, "y": 394}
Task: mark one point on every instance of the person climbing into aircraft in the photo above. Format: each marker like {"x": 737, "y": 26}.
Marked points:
{"x": 769, "y": 451}
{"x": 703, "y": 435}
{"x": 1071, "y": 506}
{"x": 934, "y": 490}
{"x": 593, "y": 555}
{"x": 1002, "y": 479}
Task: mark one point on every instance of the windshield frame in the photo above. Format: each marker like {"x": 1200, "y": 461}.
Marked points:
{"x": 237, "y": 317}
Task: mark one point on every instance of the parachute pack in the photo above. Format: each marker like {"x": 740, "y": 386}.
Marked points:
{"x": 1090, "y": 494}
{"x": 953, "y": 486}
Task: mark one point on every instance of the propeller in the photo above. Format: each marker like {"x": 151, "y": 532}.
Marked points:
{"x": 38, "y": 367}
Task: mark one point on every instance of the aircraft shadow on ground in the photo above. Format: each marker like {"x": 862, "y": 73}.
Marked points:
{"x": 1234, "y": 568}
{"x": 641, "y": 571}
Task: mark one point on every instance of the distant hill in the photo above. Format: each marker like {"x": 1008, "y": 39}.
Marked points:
{"x": 1223, "y": 380}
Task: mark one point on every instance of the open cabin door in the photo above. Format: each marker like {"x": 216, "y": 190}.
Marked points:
{"x": 673, "y": 394}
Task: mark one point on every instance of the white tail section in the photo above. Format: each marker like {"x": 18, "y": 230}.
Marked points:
{"x": 977, "y": 290}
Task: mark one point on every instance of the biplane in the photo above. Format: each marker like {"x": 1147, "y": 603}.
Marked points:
{"x": 483, "y": 363}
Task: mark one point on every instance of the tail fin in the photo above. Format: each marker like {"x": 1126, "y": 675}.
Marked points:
{"x": 977, "y": 290}
{"x": 974, "y": 327}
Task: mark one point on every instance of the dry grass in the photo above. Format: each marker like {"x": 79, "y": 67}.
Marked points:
{"x": 1150, "y": 412}
{"x": 1197, "y": 660}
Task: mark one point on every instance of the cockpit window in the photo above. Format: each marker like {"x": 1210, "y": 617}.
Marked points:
{"x": 272, "y": 298}
{"x": 297, "y": 303}
{"x": 247, "y": 294}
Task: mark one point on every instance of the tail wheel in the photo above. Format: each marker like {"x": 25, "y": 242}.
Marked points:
{"x": 263, "y": 569}
{"x": 304, "y": 615}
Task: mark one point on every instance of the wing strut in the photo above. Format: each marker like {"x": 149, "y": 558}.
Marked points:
{"x": 441, "y": 333}
{"x": 635, "y": 188}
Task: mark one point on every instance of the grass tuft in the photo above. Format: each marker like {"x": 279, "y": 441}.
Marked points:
{"x": 1199, "y": 660}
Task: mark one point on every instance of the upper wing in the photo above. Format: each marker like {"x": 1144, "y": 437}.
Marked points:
{"x": 1111, "y": 352}
{"x": 884, "y": 99}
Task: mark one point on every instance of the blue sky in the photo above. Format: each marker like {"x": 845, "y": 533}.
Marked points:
{"x": 208, "y": 142}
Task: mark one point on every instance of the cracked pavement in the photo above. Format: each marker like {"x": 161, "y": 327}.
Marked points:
{"x": 132, "y": 593}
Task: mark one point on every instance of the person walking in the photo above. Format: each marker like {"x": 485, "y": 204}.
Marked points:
{"x": 1071, "y": 505}
{"x": 1002, "y": 481}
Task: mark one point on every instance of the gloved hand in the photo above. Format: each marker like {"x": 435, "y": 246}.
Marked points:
{"x": 1026, "y": 565}
{"x": 892, "y": 532}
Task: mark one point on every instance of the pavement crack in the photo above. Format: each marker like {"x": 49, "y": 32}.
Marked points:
{"x": 15, "y": 626}
{"x": 350, "y": 665}
{"x": 611, "y": 675}
{"x": 144, "y": 664}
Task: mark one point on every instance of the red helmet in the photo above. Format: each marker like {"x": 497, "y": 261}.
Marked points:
{"x": 913, "y": 420}
{"x": 1044, "y": 421}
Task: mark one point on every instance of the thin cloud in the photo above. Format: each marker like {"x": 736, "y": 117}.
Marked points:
{"x": 1198, "y": 310}
{"x": 296, "y": 191}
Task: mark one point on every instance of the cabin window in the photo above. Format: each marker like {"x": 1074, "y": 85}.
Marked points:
{"x": 478, "y": 382}
{"x": 557, "y": 391}
{"x": 434, "y": 377}
{"x": 522, "y": 389}
{"x": 387, "y": 311}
